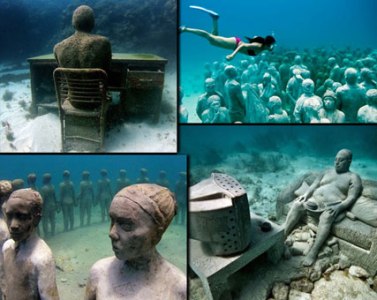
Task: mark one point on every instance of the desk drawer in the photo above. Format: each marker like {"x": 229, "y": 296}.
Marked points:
{"x": 144, "y": 79}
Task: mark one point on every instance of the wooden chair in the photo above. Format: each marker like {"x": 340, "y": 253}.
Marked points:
{"x": 83, "y": 102}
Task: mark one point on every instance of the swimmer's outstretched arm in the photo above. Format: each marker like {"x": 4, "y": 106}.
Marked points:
{"x": 233, "y": 54}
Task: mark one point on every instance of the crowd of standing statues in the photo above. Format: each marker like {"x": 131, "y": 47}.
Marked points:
{"x": 318, "y": 86}
{"x": 86, "y": 196}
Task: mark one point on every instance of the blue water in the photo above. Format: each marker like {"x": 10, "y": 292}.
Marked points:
{"x": 19, "y": 166}
{"x": 317, "y": 141}
{"x": 295, "y": 24}
{"x": 30, "y": 28}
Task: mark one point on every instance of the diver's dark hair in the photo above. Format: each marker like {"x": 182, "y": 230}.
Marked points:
{"x": 269, "y": 40}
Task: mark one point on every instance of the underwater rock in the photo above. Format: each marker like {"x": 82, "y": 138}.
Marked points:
{"x": 357, "y": 271}
{"x": 8, "y": 95}
{"x": 280, "y": 291}
{"x": 302, "y": 285}
{"x": 344, "y": 262}
{"x": 297, "y": 295}
{"x": 338, "y": 286}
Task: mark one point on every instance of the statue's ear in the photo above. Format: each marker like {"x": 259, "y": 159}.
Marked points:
{"x": 37, "y": 215}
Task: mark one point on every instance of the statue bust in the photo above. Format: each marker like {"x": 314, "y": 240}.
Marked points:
{"x": 83, "y": 49}
{"x": 139, "y": 215}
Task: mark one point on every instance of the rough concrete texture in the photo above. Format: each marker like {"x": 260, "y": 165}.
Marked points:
{"x": 341, "y": 286}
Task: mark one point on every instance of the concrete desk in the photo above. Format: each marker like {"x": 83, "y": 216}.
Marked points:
{"x": 139, "y": 79}
{"x": 215, "y": 270}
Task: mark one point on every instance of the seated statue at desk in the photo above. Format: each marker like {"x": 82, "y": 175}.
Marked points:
{"x": 83, "y": 49}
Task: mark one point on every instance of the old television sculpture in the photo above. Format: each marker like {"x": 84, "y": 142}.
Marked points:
{"x": 219, "y": 215}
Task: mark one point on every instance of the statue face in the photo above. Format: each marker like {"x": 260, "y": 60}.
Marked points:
{"x": 133, "y": 234}
{"x": 329, "y": 103}
{"x": 342, "y": 162}
{"x": 19, "y": 219}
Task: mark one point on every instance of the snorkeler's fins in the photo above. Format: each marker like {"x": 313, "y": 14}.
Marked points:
{"x": 210, "y": 12}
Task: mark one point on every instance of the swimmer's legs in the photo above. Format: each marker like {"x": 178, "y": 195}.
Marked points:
{"x": 215, "y": 25}
{"x": 218, "y": 41}
{"x": 214, "y": 15}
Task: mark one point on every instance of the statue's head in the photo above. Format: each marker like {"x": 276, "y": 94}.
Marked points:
{"x": 329, "y": 100}
{"x": 139, "y": 215}
{"x": 230, "y": 72}
{"x": 83, "y": 18}
{"x": 18, "y": 184}
{"x": 372, "y": 97}
{"x": 274, "y": 103}
{"x": 46, "y": 178}
{"x": 343, "y": 161}
{"x": 31, "y": 178}
{"x": 85, "y": 175}
{"x": 351, "y": 75}
{"x": 308, "y": 86}
{"x": 210, "y": 85}
{"x": 23, "y": 211}
{"x": 66, "y": 174}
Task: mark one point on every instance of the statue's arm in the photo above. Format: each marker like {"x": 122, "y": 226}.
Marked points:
{"x": 47, "y": 279}
{"x": 354, "y": 191}
{"x": 313, "y": 186}
{"x": 91, "y": 288}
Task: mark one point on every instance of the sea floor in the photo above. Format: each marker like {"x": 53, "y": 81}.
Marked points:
{"x": 19, "y": 132}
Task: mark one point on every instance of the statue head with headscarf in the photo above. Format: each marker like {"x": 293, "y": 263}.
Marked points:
{"x": 139, "y": 215}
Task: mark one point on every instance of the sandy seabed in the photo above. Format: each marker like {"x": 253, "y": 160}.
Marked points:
{"x": 21, "y": 133}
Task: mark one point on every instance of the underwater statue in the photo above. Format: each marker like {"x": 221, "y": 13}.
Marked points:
{"x": 86, "y": 198}
{"x": 5, "y": 191}
{"x": 123, "y": 181}
{"x": 84, "y": 49}
{"x": 139, "y": 215}
{"x": 104, "y": 194}
{"x": 181, "y": 196}
{"x": 252, "y": 47}
{"x": 333, "y": 114}
{"x": 203, "y": 101}
{"x": 368, "y": 113}
{"x": 306, "y": 102}
{"x": 183, "y": 112}
{"x": 277, "y": 113}
{"x": 28, "y": 266}
{"x": 294, "y": 89}
{"x": 18, "y": 184}
{"x": 67, "y": 200}
{"x": 233, "y": 95}
{"x": 50, "y": 206}
{"x": 31, "y": 181}
{"x": 330, "y": 195}
{"x": 298, "y": 65}
{"x": 267, "y": 88}
{"x": 143, "y": 176}
{"x": 163, "y": 179}
{"x": 215, "y": 113}
{"x": 351, "y": 96}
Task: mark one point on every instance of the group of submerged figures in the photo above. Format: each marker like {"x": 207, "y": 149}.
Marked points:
{"x": 319, "y": 86}
{"x": 139, "y": 215}
{"x": 65, "y": 198}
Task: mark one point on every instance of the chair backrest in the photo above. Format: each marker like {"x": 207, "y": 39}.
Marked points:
{"x": 83, "y": 88}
